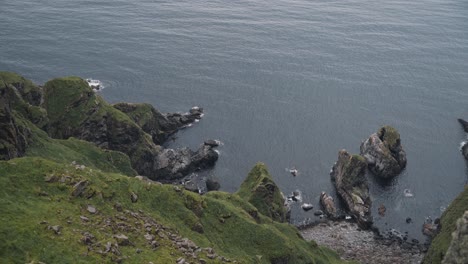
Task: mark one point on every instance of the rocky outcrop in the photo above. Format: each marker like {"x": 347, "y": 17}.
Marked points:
{"x": 160, "y": 126}
{"x": 464, "y": 147}
{"x": 13, "y": 136}
{"x": 328, "y": 205}
{"x": 464, "y": 124}
{"x": 173, "y": 164}
{"x": 348, "y": 175}
{"x": 457, "y": 252}
{"x": 383, "y": 152}
{"x": 75, "y": 110}
{"x": 261, "y": 191}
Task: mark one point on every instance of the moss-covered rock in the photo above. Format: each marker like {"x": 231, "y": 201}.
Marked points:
{"x": 348, "y": 174}
{"x": 384, "y": 153}
{"x": 448, "y": 224}
{"x": 260, "y": 190}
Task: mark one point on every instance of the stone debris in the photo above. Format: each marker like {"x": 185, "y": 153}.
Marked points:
{"x": 79, "y": 188}
{"x": 365, "y": 247}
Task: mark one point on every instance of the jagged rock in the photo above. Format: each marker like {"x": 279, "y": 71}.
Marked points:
{"x": 79, "y": 188}
{"x": 13, "y": 136}
{"x": 328, "y": 205}
{"x": 348, "y": 174}
{"x": 261, "y": 191}
{"x": 430, "y": 229}
{"x": 122, "y": 240}
{"x": 457, "y": 252}
{"x": 55, "y": 228}
{"x": 464, "y": 124}
{"x": 134, "y": 197}
{"x": 87, "y": 238}
{"x": 194, "y": 183}
{"x": 84, "y": 218}
{"x": 384, "y": 153}
{"x": 318, "y": 213}
{"x": 118, "y": 207}
{"x": 173, "y": 164}
{"x": 465, "y": 150}
{"x": 160, "y": 126}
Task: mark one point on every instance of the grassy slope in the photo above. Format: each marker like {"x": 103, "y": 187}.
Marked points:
{"x": 26, "y": 199}
{"x": 225, "y": 222}
{"x": 448, "y": 222}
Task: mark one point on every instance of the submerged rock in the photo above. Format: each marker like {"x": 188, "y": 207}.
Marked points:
{"x": 384, "y": 153}
{"x": 261, "y": 191}
{"x": 348, "y": 174}
{"x": 328, "y": 205}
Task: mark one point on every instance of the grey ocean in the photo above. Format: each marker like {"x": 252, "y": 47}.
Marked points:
{"x": 289, "y": 83}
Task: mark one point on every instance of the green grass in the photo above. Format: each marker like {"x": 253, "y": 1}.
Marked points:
{"x": 26, "y": 200}
{"x": 448, "y": 221}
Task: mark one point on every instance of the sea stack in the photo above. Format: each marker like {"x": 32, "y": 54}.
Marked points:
{"x": 349, "y": 177}
{"x": 383, "y": 152}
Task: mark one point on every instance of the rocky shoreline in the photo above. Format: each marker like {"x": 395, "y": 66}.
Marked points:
{"x": 364, "y": 246}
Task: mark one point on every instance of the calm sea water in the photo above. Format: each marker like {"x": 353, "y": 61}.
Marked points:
{"x": 288, "y": 83}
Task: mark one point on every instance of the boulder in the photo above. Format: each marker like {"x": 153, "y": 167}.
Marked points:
{"x": 383, "y": 152}
{"x": 350, "y": 181}
{"x": 212, "y": 184}
{"x": 458, "y": 249}
{"x": 328, "y": 205}
{"x": 261, "y": 191}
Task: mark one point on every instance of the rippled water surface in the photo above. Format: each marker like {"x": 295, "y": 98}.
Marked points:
{"x": 288, "y": 83}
